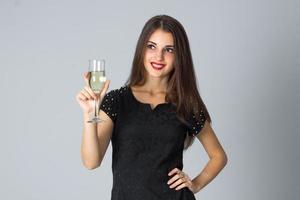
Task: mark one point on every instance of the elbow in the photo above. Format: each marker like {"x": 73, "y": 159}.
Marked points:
{"x": 222, "y": 158}
{"x": 225, "y": 159}
{"x": 91, "y": 166}
{"x": 90, "y": 162}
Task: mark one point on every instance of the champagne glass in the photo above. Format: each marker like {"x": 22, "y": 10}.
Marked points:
{"x": 96, "y": 82}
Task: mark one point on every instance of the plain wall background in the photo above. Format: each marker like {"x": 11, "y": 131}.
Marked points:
{"x": 247, "y": 59}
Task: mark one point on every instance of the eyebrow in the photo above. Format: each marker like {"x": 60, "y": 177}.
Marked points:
{"x": 156, "y": 44}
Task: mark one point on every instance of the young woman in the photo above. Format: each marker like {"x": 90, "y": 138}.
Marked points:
{"x": 152, "y": 119}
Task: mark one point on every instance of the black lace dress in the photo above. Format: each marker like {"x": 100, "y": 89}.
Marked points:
{"x": 146, "y": 145}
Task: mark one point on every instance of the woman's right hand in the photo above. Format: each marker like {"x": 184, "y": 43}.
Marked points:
{"x": 86, "y": 96}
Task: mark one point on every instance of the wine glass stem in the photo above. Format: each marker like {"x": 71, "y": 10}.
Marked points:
{"x": 95, "y": 107}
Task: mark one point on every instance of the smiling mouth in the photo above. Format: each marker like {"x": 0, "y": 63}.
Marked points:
{"x": 157, "y": 66}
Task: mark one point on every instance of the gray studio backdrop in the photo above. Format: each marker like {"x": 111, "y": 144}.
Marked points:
{"x": 246, "y": 55}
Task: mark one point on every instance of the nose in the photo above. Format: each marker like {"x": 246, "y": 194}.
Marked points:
{"x": 159, "y": 54}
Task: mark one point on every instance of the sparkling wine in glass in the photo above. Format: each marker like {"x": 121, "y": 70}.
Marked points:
{"x": 96, "y": 82}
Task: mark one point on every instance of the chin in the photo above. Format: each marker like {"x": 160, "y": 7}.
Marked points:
{"x": 157, "y": 73}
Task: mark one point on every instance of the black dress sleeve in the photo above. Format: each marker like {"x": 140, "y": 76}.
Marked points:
{"x": 110, "y": 104}
{"x": 196, "y": 123}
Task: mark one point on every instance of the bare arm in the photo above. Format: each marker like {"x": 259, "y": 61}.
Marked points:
{"x": 95, "y": 140}
{"x": 96, "y": 137}
{"x": 217, "y": 155}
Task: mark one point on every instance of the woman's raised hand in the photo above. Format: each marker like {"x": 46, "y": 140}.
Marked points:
{"x": 86, "y": 96}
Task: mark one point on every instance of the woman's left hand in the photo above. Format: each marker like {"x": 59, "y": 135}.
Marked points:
{"x": 181, "y": 180}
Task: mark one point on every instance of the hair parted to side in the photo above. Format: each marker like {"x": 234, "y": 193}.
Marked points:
{"x": 182, "y": 90}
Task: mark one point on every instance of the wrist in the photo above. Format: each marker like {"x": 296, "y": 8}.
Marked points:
{"x": 197, "y": 187}
{"x": 87, "y": 115}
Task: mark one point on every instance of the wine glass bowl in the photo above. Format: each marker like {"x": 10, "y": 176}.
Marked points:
{"x": 97, "y": 80}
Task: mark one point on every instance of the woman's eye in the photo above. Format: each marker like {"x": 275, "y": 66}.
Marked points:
{"x": 170, "y": 50}
{"x": 150, "y": 46}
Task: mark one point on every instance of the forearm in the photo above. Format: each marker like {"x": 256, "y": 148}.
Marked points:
{"x": 90, "y": 145}
{"x": 210, "y": 171}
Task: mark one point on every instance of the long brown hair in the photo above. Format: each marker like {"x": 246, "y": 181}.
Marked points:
{"x": 182, "y": 90}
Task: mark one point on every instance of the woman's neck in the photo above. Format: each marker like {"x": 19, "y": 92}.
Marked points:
{"x": 154, "y": 86}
